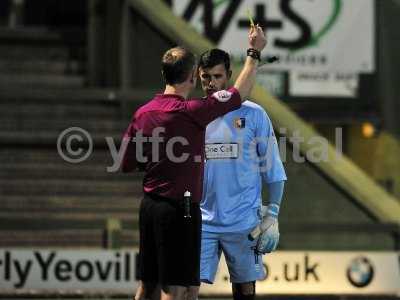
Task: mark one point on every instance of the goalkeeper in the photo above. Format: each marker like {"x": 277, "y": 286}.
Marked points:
{"x": 241, "y": 152}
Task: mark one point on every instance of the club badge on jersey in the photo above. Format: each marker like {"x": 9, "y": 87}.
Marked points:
{"x": 240, "y": 123}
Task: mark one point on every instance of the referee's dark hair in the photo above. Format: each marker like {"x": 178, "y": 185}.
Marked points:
{"x": 176, "y": 65}
{"x": 214, "y": 57}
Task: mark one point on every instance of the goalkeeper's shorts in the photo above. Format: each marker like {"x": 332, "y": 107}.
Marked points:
{"x": 244, "y": 265}
{"x": 169, "y": 251}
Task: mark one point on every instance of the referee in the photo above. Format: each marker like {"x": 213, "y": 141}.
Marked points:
{"x": 166, "y": 139}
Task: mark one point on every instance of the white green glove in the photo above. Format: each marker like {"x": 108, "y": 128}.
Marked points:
{"x": 267, "y": 233}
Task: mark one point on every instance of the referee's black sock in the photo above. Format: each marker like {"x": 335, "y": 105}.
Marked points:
{"x": 244, "y": 291}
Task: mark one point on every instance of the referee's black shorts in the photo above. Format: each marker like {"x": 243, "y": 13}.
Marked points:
{"x": 169, "y": 251}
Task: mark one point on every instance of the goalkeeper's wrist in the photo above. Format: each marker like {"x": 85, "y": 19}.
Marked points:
{"x": 273, "y": 210}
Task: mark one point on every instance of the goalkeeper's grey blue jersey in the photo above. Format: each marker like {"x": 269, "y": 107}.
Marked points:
{"x": 241, "y": 151}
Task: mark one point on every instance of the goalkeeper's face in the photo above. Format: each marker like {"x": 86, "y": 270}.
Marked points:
{"x": 214, "y": 79}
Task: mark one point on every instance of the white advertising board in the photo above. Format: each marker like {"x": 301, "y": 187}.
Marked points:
{"x": 322, "y": 273}
{"x": 323, "y": 84}
{"x": 67, "y": 270}
{"x": 330, "y": 35}
{"x": 288, "y": 272}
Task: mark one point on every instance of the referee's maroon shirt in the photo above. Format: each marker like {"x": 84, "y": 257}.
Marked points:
{"x": 183, "y": 123}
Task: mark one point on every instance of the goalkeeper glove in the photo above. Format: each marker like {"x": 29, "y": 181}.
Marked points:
{"x": 267, "y": 233}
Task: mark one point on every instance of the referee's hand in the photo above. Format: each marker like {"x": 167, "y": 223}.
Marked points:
{"x": 257, "y": 38}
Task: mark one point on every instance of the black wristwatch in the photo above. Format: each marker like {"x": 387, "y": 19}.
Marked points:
{"x": 254, "y": 53}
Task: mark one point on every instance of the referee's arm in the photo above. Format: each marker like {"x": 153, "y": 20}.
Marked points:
{"x": 245, "y": 81}
{"x": 129, "y": 162}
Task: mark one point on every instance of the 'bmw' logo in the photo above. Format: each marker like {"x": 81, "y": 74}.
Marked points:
{"x": 360, "y": 272}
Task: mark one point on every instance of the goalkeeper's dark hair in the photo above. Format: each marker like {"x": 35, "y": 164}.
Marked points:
{"x": 213, "y": 57}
